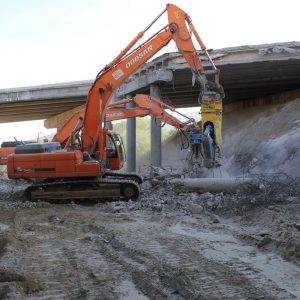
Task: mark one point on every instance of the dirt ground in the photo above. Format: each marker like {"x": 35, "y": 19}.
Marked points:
{"x": 167, "y": 245}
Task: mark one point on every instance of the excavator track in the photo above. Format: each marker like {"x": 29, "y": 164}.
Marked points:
{"x": 84, "y": 189}
{"x": 138, "y": 179}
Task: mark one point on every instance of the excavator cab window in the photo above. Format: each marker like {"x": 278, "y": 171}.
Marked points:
{"x": 114, "y": 151}
{"x": 120, "y": 145}
{"x": 111, "y": 151}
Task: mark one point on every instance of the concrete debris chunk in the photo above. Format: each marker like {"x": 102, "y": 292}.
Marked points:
{"x": 214, "y": 219}
{"x": 196, "y": 209}
{"x": 277, "y": 50}
{"x": 264, "y": 241}
{"x": 297, "y": 226}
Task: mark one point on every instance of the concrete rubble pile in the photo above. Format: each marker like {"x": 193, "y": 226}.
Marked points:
{"x": 138, "y": 248}
{"x": 162, "y": 192}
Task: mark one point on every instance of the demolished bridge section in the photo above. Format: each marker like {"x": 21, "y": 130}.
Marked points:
{"x": 246, "y": 72}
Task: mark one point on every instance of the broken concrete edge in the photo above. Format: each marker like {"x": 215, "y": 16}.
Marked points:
{"x": 218, "y": 52}
{"x": 254, "y": 53}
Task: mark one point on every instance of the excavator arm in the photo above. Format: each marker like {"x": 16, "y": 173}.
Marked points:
{"x": 145, "y": 105}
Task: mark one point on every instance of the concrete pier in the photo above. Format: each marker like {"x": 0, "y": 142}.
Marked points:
{"x": 155, "y": 156}
{"x": 131, "y": 141}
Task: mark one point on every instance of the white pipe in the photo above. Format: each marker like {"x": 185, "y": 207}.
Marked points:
{"x": 214, "y": 185}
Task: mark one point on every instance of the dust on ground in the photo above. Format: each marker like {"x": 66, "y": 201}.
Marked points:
{"x": 167, "y": 245}
{"x": 263, "y": 139}
{"x": 260, "y": 139}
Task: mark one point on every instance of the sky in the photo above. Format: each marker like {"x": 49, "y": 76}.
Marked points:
{"x": 67, "y": 40}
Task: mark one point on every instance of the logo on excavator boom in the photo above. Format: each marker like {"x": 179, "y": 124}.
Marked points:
{"x": 138, "y": 57}
{"x": 111, "y": 115}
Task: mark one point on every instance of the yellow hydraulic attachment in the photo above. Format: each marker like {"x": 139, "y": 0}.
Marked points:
{"x": 211, "y": 112}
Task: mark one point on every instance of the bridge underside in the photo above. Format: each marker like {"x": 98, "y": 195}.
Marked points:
{"x": 246, "y": 72}
{"x": 240, "y": 81}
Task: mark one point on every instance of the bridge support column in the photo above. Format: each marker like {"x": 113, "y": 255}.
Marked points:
{"x": 131, "y": 141}
{"x": 155, "y": 154}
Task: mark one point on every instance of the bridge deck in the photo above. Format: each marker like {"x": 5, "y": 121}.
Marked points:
{"x": 246, "y": 72}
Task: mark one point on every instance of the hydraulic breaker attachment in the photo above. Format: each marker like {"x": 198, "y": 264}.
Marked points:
{"x": 195, "y": 139}
{"x": 211, "y": 112}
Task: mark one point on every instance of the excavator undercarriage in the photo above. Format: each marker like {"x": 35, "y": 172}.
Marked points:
{"x": 97, "y": 188}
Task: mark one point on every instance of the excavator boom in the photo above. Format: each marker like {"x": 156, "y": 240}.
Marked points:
{"x": 112, "y": 76}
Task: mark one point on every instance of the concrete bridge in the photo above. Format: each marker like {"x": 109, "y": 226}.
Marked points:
{"x": 249, "y": 74}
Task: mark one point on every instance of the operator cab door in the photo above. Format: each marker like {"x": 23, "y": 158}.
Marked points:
{"x": 115, "y": 154}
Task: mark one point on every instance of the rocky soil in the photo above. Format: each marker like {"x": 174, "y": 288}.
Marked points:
{"x": 167, "y": 245}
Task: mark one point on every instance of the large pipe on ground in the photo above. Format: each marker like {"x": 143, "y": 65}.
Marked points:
{"x": 213, "y": 185}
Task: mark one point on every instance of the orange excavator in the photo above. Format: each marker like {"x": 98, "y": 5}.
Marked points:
{"x": 115, "y": 153}
{"x": 69, "y": 134}
{"x": 8, "y": 147}
{"x": 81, "y": 172}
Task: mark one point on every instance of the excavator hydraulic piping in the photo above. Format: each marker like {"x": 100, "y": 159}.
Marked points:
{"x": 155, "y": 20}
{"x": 211, "y": 61}
{"x": 201, "y": 44}
{"x": 133, "y": 42}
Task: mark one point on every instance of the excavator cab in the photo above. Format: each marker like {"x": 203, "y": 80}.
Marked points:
{"x": 115, "y": 151}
